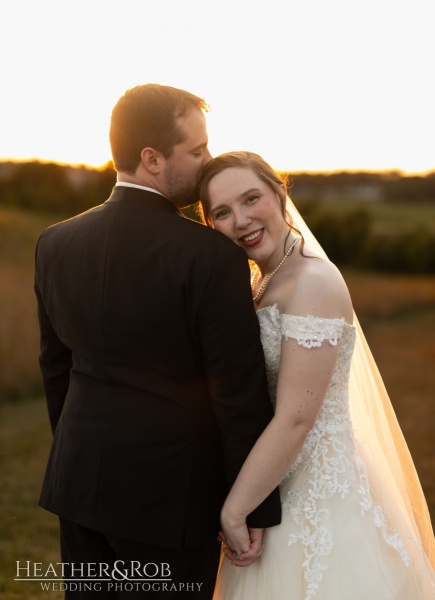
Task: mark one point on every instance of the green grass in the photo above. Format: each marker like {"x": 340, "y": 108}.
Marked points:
{"x": 27, "y": 532}
{"x": 401, "y": 218}
{"x": 387, "y": 218}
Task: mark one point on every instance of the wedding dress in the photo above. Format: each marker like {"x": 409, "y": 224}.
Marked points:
{"x": 355, "y": 524}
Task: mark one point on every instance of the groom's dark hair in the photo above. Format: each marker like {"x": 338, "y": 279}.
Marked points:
{"x": 145, "y": 116}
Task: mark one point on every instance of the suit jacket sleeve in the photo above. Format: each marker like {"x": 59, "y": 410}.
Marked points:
{"x": 55, "y": 360}
{"x": 235, "y": 369}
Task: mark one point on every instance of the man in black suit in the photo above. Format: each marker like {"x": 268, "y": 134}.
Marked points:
{"x": 152, "y": 366}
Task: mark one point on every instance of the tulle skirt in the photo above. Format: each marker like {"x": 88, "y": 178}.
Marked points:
{"x": 330, "y": 548}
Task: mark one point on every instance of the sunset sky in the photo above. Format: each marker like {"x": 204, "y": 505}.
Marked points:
{"x": 308, "y": 84}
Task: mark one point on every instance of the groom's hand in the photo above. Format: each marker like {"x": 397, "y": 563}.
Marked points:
{"x": 244, "y": 559}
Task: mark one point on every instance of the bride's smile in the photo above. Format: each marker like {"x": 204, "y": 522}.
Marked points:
{"x": 252, "y": 239}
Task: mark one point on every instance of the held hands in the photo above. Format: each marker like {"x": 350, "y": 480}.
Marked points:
{"x": 242, "y": 545}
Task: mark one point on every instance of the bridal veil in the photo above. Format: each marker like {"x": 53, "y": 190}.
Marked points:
{"x": 394, "y": 482}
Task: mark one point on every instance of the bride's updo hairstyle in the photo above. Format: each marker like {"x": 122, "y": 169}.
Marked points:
{"x": 256, "y": 164}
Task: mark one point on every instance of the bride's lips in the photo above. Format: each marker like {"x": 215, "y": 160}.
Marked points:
{"x": 252, "y": 239}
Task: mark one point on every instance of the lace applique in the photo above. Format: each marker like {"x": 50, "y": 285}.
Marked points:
{"x": 310, "y": 331}
{"x": 368, "y": 504}
{"x": 329, "y": 467}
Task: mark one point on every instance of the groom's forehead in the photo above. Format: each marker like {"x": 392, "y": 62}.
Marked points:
{"x": 194, "y": 128}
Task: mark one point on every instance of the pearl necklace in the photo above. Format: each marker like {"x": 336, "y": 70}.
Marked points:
{"x": 267, "y": 279}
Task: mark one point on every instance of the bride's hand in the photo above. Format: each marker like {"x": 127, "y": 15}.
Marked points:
{"x": 244, "y": 559}
{"x": 236, "y": 534}
{"x": 241, "y": 545}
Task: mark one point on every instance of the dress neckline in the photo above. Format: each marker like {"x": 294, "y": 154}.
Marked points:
{"x": 274, "y": 308}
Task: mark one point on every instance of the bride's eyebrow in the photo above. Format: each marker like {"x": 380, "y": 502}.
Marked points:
{"x": 215, "y": 208}
{"x": 239, "y": 197}
{"x": 250, "y": 191}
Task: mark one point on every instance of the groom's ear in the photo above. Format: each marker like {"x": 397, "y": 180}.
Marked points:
{"x": 151, "y": 159}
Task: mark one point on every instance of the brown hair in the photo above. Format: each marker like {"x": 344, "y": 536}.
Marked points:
{"x": 146, "y": 115}
{"x": 244, "y": 160}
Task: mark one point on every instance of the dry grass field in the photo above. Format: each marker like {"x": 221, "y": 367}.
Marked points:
{"x": 397, "y": 314}
{"x": 19, "y": 231}
{"x": 398, "y": 318}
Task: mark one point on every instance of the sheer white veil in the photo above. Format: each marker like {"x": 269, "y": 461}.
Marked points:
{"x": 392, "y": 476}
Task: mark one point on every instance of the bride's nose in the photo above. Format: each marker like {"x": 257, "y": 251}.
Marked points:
{"x": 242, "y": 219}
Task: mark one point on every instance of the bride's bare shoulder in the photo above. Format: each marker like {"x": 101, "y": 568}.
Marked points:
{"x": 319, "y": 290}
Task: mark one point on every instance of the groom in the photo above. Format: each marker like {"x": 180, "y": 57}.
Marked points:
{"x": 152, "y": 366}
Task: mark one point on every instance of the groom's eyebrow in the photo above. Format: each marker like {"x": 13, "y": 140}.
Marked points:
{"x": 200, "y": 146}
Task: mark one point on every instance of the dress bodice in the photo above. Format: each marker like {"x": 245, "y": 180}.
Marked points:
{"x": 310, "y": 332}
{"x": 329, "y": 459}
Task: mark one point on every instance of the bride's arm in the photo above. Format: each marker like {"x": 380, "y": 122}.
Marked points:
{"x": 304, "y": 377}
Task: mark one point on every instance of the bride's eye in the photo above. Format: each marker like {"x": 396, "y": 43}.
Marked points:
{"x": 251, "y": 199}
{"x": 221, "y": 214}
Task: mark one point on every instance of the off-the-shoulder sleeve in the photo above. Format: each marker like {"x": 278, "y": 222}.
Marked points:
{"x": 311, "y": 332}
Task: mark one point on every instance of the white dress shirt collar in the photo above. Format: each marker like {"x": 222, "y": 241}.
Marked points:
{"x": 139, "y": 187}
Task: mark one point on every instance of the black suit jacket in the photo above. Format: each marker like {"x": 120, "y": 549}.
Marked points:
{"x": 153, "y": 371}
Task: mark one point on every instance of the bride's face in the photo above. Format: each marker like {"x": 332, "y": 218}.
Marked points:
{"x": 247, "y": 210}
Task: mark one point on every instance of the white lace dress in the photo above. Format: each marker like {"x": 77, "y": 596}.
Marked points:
{"x": 334, "y": 541}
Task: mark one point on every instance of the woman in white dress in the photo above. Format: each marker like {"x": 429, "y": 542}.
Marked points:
{"x": 355, "y": 523}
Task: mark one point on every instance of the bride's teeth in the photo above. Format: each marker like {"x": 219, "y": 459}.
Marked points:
{"x": 249, "y": 238}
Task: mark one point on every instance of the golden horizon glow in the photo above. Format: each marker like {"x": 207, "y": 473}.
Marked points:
{"x": 106, "y": 164}
{"x": 312, "y": 87}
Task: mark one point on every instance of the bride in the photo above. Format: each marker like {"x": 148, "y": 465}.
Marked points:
{"x": 355, "y": 523}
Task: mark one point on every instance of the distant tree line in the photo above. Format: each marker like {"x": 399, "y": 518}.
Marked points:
{"x": 52, "y": 187}
{"x": 390, "y": 186}
{"x": 348, "y": 239}
{"x": 346, "y": 236}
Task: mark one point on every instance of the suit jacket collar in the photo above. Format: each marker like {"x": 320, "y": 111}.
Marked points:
{"x": 152, "y": 200}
